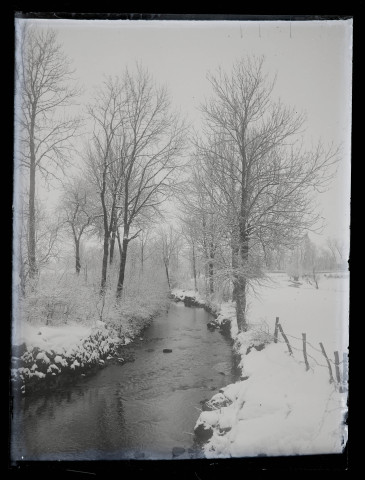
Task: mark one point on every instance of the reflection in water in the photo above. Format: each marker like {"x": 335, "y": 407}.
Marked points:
{"x": 140, "y": 409}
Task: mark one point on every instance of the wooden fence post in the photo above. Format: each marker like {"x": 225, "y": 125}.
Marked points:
{"x": 337, "y": 368}
{"x": 276, "y": 330}
{"x": 305, "y": 351}
{"x": 285, "y": 338}
{"x": 344, "y": 370}
{"x": 328, "y": 362}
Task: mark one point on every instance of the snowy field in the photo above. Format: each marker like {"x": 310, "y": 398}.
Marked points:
{"x": 281, "y": 408}
{"x": 322, "y": 314}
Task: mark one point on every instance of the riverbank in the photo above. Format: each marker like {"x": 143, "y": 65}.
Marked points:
{"x": 278, "y": 407}
{"x": 44, "y": 357}
{"x": 146, "y": 408}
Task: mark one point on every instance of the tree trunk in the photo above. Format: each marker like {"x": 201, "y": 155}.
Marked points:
{"x": 211, "y": 277}
{"x": 241, "y": 284}
{"x": 206, "y": 258}
{"x": 234, "y": 260}
{"x": 112, "y": 244}
{"x": 112, "y": 241}
{"x": 235, "y": 253}
{"x": 77, "y": 255}
{"x": 142, "y": 255}
{"x": 22, "y": 278}
{"x": 241, "y": 288}
{"x": 206, "y": 276}
{"x": 123, "y": 262}
{"x": 167, "y": 275}
{"x": 31, "y": 225}
{"x": 104, "y": 266}
{"x": 194, "y": 270}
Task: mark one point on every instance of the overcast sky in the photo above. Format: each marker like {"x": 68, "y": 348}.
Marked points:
{"x": 312, "y": 60}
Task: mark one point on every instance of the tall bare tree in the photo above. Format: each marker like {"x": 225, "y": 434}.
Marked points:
{"x": 274, "y": 175}
{"x": 103, "y": 159}
{"x": 43, "y": 91}
{"x": 134, "y": 156}
{"x": 153, "y": 141}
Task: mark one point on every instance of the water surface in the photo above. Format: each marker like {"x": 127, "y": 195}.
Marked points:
{"x": 141, "y": 409}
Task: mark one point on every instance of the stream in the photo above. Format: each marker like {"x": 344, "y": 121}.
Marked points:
{"x": 141, "y": 409}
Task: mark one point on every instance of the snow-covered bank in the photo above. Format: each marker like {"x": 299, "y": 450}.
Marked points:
{"x": 278, "y": 407}
{"x": 192, "y": 298}
{"x": 188, "y": 296}
{"x": 43, "y": 355}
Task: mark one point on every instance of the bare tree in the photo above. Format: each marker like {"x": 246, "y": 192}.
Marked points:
{"x": 20, "y": 258}
{"x": 153, "y": 140}
{"x": 78, "y": 212}
{"x": 169, "y": 243}
{"x": 103, "y": 159}
{"x": 143, "y": 238}
{"x": 133, "y": 159}
{"x": 189, "y": 233}
{"x": 256, "y": 139}
{"x": 43, "y": 91}
{"x": 47, "y": 243}
{"x": 337, "y": 249}
{"x": 198, "y": 222}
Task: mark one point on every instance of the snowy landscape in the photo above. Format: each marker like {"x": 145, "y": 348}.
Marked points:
{"x": 147, "y": 205}
{"x": 279, "y": 397}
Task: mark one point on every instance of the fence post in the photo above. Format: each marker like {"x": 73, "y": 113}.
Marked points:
{"x": 305, "y": 351}
{"x": 285, "y": 338}
{"x": 344, "y": 370}
{"x": 337, "y": 368}
{"x": 328, "y": 362}
{"x": 276, "y": 330}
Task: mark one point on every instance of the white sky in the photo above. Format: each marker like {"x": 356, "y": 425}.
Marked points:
{"x": 313, "y": 62}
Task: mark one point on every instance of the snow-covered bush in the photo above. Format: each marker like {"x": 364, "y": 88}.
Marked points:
{"x": 63, "y": 297}
{"x": 260, "y": 333}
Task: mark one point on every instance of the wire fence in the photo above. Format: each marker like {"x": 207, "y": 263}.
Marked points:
{"x": 338, "y": 378}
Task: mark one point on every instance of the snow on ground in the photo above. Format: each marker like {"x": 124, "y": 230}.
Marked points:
{"x": 322, "y": 314}
{"x": 42, "y": 352}
{"x": 180, "y": 294}
{"x": 280, "y": 408}
{"x": 47, "y": 338}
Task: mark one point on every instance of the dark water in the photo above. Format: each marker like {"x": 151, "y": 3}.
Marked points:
{"x": 141, "y": 409}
